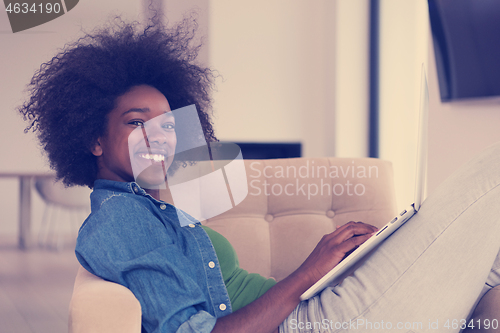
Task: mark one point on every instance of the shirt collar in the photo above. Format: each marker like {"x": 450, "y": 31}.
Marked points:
{"x": 112, "y": 185}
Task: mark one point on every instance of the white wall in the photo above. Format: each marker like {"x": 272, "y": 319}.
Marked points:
{"x": 458, "y": 130}
{"x": 352, "y": 78}
{"x": 271, "y": 56}
{"x": 287, "y": 66}
{"x": 21, "y": 54}
{"x": 404, "y": 33}
{"x": 176, "y": 10}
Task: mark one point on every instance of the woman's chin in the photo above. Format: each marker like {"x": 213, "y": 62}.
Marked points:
{"x": 152, "y": 180}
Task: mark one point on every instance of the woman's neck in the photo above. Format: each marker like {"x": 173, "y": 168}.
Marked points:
{"x": 161, "y": 194}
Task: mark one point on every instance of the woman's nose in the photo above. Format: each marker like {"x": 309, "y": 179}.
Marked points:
{"x": 156, "y": 134}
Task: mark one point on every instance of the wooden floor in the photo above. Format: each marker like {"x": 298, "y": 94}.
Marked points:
{"x": 35, "y": 288}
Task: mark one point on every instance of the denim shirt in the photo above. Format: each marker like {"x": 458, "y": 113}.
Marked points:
{"x": 137, "y": 241}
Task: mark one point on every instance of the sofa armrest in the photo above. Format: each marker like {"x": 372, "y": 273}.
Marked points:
{"x": 102, "y": 306}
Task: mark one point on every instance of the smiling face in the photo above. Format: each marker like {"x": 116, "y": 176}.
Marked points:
{"x": 139, "y": 143}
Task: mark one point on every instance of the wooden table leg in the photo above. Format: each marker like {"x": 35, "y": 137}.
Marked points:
{"x": 24, "y": 211}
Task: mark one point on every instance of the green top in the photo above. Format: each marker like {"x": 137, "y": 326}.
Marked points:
{"x": 242, "y": 287}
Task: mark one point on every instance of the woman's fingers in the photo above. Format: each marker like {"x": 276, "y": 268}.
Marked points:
{"x": 348, "y": 238}
{"x": 350, "y": 224}
{"x": 352, "y": 243}
{"x": 333, "y": 247}
{"x": 349, "y": 230}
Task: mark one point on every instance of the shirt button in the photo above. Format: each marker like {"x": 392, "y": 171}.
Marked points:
{"x": 211, "y": 264}
{"x": 135, "y": 188}
{"x": 222, "y": 307}
{"x": 163, "y": 206}
{"x": 191, "y": 225}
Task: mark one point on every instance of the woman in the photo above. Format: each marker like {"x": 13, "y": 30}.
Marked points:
{"x": 103, "y": 112}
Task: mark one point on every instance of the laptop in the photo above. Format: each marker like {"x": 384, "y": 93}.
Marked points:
{"x": 338, "y": 271}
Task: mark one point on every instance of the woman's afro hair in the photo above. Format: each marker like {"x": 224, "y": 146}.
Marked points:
{"x": 72, "y": 94}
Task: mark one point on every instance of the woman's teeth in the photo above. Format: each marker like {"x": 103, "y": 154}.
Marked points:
{"x": 153, "y": 157}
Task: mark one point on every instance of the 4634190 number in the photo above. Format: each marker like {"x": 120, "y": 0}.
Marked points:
{"x": 486, "y": 324}
{"x": 25, "y": 8}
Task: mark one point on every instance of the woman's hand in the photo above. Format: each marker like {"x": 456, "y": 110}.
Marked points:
{"x": 267, "y": 312}
{"x": 332, "y": 248}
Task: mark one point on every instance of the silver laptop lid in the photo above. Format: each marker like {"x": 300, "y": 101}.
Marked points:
{"x": 421, "y": 170}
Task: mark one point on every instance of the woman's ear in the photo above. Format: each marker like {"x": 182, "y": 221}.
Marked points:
{"x": 97, "y": 148}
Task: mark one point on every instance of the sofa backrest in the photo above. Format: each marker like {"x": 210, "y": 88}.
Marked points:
{"x": 292, "y": 203}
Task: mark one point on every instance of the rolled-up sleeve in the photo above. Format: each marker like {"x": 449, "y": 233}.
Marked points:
{"x": 201, "y": 322}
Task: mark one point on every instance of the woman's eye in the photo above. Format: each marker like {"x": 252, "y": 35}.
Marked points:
{"x": 169, "y": 126}
{"x": 136, "y": 122}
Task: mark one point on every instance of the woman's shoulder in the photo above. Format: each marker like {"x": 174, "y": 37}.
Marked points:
{"x": 123, "y": 219}
{"x": 118, "y": 211}
{"x": 113, "y": 192}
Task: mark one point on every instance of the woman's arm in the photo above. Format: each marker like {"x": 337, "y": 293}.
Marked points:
{"x": 268, "y": 312}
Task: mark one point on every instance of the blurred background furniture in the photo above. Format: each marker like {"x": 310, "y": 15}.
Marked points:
{"x": 272, "y": 232}
{"x": 24, "y": 224}
{"x": 65, "y": 210}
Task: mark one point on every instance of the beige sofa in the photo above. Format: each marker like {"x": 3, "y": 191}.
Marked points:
{"x": 291, "y": 204}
